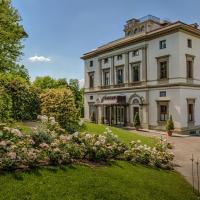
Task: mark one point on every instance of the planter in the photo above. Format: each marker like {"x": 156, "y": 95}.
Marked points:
{"x": 169, "y": 133}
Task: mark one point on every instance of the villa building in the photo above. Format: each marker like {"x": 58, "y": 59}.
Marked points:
{"x": 153, "y": 70}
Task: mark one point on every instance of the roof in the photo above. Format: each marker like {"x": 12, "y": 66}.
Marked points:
{"x": 125, "y": 41}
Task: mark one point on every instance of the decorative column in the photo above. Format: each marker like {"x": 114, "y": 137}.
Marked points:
{"x": 112, "y": 72}
{"x": 100, "y": 73}
{"x": 144, "y": 63}
{"x": 126, "y": 68}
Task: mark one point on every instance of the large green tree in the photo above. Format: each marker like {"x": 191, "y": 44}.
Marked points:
{"x": 11, "y": 35}
{"x": 47, "y": 82}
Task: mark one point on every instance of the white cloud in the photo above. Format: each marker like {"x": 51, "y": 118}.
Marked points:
{"x": 39, "y": 59}
{"x": 81, "y": 82}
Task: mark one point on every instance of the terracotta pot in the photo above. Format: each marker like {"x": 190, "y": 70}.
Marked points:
{"x": 169, "y": 133}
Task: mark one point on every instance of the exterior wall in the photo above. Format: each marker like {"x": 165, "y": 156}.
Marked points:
{"x": 154, "y": 52}
{"x": 183, "y": 50}
{"x": 177, "y": 96}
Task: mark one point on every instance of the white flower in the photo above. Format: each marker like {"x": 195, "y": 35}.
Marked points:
{"x": 16, "y": 132}
{"x": 12, "y": 155}
{"x": 3, "y": 143}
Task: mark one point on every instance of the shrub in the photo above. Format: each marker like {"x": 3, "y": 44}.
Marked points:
{"x": 25, "y": 98}
{"x": 59, "y": 103}
{"x": 47, "y": 147}
{"x": 157, "y": 156}
{"x": 170, "y": 124}
{"x": 5, "y": 106}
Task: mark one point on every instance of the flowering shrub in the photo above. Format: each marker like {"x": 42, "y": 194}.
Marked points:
{"x": 157, "y": 156}
{"x": 48, "y": 144}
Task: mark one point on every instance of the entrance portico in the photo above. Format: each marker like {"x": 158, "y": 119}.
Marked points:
{"x": 114, "y": 110}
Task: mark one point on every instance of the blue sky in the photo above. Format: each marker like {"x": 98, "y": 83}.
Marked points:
{"x": 60, "y": 31}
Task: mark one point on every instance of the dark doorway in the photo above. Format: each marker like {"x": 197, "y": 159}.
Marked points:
{"x": 135, "y": 110}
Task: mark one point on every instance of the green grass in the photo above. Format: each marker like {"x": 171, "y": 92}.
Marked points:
{"x": 125, "y": 135}
{"x": 117, "y": 181}
{"x": 121, "y": 181}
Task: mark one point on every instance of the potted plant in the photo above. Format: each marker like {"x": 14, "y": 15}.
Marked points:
{"x": 170, "y": 126}
{"x": 136, "y": 121}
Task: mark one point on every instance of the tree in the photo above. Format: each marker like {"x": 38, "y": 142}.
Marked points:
{"x": 47, "y": 82}
{"x": 78, "y": 94}
{"x": 11, "y": 35}
{"x": 59, "y": 103}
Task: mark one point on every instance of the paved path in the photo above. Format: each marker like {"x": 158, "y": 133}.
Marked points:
{"x": 184, "y": 147}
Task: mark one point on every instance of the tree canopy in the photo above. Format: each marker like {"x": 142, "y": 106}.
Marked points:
{"x": 11, "y": 35}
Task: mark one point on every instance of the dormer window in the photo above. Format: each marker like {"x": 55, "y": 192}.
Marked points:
{"x": 91, "y": 63}
{"x": 119, "y": 57}
{"x": 135, "y": 53}
{"x": 105, "y": 60}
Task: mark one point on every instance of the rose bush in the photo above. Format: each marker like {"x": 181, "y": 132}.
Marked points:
{"x": 49, "y": 144}
{"x": 157, "y": 156}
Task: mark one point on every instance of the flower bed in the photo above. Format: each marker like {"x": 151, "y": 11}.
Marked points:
{"x": 48, "y": 144}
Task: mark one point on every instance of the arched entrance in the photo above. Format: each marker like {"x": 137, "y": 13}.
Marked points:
{"x": 135, "y": 106}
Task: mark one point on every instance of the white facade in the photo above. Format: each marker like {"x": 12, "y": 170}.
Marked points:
{"x": 155, "y": 73}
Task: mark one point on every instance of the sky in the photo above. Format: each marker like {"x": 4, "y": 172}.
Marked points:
{"x": 60, "y": 31}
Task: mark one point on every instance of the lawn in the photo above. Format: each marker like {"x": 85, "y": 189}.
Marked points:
{"x": 124, "y": 135}
{"x": 117, "y": 181}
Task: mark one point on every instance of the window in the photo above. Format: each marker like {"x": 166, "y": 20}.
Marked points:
{"x": 106, "y": 77}
{"x": 119, "y": 57}
{"x": 163, "y": 70}
{"x": 189, "y": 43}
{"x": 91, "y": 97}
{"x": 91, "y": 63}
{"x": 162, "y": 93}
{"x": 105, "y": 60}
{"x": 136, "y": 72}
{"x": 190, "y": 112}
{"x": 91, "y": 79}
{"x": 189, "y": 69}
{"x": 119, "y": 76}
{"x": 135, "y": 53}
{"x": 163, "y": 44}
{"x": 163, "y": 113}
{"x": 190, "y": 105}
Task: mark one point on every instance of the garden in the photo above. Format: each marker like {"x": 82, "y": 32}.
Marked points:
{"x": 60, "y": 157}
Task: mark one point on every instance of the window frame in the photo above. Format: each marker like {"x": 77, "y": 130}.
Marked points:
{"x": 119, "y": 57}
{"x": 135, "y": 65}
{"x": 162, "y": 44}
{"x": 117, "y": 80}
{"x": 106, "y": 71}
{"x": 189, "y": 43}
{"x": 160, "y": 60}
{"x": 91, "y": 63}
{"x": 91, "y": 83}
{"x": 134, "y": 54}
{"x": 105, "y": 60}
